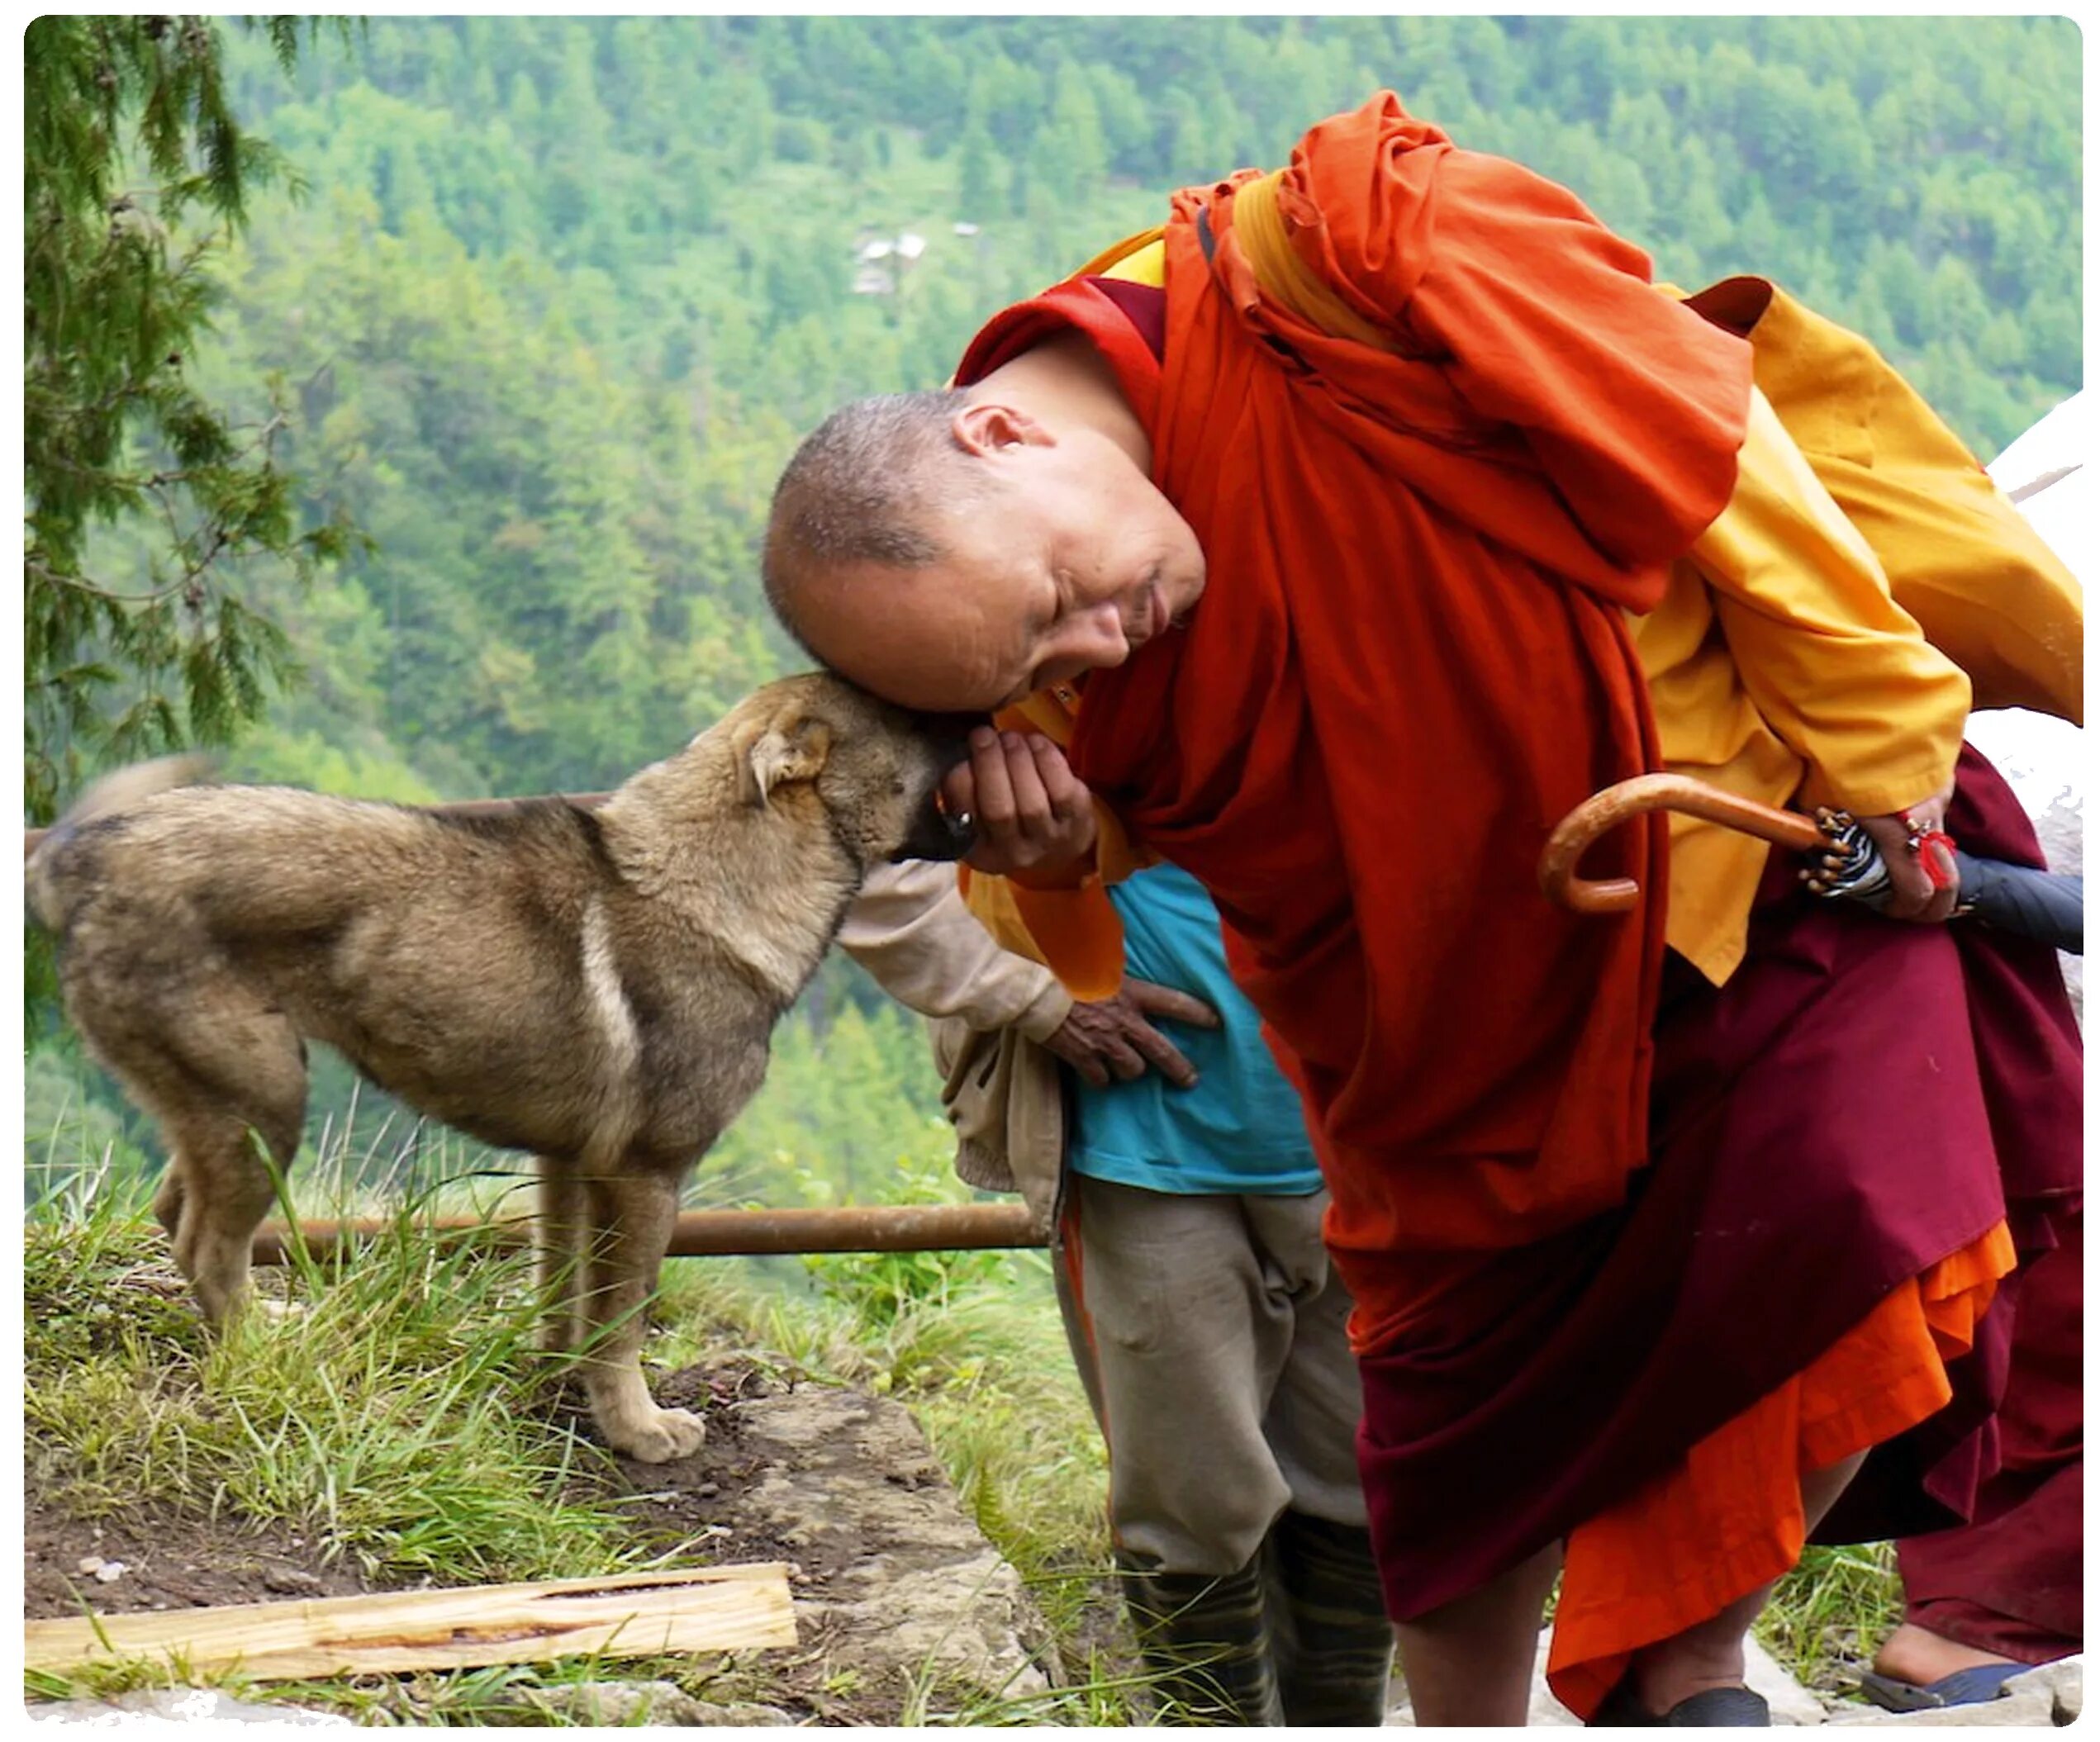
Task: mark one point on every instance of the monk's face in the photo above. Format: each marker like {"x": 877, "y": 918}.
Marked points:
{"x": 1056, "y": 559}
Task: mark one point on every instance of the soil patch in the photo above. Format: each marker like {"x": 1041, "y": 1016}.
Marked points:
{"x": 170, "y": 1559}
{"x": 695, "y": 1505}
{"x": 164, "y": 1560}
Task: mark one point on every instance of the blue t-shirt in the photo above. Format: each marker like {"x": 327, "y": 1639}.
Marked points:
{"x": 1241, "y": 1129}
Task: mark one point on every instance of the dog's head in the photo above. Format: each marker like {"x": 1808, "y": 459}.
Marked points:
{"x": 876, "y": 769}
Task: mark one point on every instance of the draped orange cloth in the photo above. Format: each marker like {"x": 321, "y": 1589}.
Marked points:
{"x": 1727, "y": 1518}
{"x": 1417, "y": 556}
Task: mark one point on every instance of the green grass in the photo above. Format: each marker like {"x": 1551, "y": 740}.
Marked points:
{"x": 392, "y": 1420}
{"x": 398, "y": 1423}
{"x": 1827, "y": 1616}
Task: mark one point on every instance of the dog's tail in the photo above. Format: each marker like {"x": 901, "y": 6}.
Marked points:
{"x": 109, "y": 796}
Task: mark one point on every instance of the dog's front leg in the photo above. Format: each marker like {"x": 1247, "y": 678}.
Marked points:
{"x": 168, "y": 1201}
{"x": 561, "y": 1233}
{"x": 634, "y": 1215}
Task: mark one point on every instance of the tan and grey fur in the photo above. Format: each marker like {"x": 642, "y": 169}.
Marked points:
{"x": 597, "y": 988}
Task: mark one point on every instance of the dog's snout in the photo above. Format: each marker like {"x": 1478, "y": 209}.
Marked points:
{"x": 949, "y": 735}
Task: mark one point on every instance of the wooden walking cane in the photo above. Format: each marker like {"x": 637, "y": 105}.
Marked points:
{"x": 2023, "y": 900}
{"x": 1597, "y": 817}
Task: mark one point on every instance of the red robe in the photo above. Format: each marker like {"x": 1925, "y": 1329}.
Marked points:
{"x": 2012, "y": 1580}
{"x": 1411, "y": 660}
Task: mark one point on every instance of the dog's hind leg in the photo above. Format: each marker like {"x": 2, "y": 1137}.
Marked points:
{"x": 168, "y": 1199}
{"x": 561, "y": 1231}
{"x": 221, "y": 1192}
{"x": 633, "y": 1213}
{"x": 215, "y": 1085}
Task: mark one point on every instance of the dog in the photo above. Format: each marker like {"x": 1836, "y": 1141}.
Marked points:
{"x": 597, "y": 987}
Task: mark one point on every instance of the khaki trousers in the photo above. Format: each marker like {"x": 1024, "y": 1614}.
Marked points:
{"x": 1209, "y": 1333}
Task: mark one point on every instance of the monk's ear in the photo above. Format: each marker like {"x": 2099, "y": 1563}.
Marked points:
{"x": 790, "y": 749}
{"x": 986, "y": 427}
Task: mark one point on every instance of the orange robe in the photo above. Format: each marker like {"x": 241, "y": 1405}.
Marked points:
{"x": 1547, "y": 472}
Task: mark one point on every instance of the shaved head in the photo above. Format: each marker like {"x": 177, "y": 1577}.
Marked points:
{"x": 954, "y": 552}
{"x": 861, "y": 491}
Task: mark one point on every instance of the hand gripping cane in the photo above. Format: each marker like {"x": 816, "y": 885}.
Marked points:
{"x": 1844, "y": 862}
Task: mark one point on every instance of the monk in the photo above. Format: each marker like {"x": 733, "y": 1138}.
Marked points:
{"x": 1332, "y": 542}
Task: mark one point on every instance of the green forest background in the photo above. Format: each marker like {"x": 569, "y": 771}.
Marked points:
{"x": 559, "y": 295}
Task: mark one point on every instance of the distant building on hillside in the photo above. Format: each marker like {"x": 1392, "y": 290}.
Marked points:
{"x": 884, "y": 260}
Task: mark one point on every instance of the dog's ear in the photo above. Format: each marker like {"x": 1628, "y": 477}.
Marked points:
{"x": 790, "y": 749}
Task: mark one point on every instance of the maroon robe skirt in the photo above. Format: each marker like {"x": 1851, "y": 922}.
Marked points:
{"x": 2012, "y": 1580}
{"x": 1862, "y": 1099}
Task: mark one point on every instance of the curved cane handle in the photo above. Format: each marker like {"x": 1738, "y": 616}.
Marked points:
{"x": 1596, "y": 817}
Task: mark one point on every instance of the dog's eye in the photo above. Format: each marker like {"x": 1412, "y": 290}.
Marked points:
{"x": 896, "y": 789}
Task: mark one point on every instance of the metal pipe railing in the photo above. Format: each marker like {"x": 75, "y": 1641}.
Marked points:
{"x": 887, "y": 1227}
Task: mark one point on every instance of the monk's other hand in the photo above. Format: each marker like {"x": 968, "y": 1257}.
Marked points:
{"x": 1114, "y": 1038}
{"x": 1913, "y": 895}
{"x": 1032, "y": 813}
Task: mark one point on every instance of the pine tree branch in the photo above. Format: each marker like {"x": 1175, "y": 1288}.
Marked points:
{"x": 42, "y": 570}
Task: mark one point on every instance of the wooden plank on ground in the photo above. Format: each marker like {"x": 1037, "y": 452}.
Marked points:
{"x": 626, "y": 1615}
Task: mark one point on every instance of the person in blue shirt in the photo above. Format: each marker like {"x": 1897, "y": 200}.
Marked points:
{"x": 1210, "y": 1332}
{"x": 1207, "y": 1325}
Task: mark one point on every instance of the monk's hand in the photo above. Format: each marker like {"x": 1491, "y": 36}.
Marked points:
{"x": 1114, "y": 1037}
{"x": 1032, "y": 813}
{"x": 1914, "y": 893}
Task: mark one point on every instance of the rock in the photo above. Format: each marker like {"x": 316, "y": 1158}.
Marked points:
{"x": 185, "y": 1706}
{"x": 903, "y": 1580}
{"x": 1791, "y": 1703}
{"x": 742, "y": 1715}
{"x": 2066, "y": 1681}
{"x": 650, "y": 1703}
{"x": 2034, "y": 1704}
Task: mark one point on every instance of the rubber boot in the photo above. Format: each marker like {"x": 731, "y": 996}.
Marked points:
{"x": 1203, "y": 1640}
{"x": 1332, "y": 1642}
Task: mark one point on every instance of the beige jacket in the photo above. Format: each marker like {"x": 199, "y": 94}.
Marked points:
{"x": 988, "y": 1010}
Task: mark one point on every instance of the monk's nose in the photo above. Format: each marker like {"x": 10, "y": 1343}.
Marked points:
{"x": 1102, "y": 639}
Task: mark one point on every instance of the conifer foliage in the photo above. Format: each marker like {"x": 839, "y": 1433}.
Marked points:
{"x": 136, "y": 172}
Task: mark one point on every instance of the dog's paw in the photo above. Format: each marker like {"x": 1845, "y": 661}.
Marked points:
{"x": 666, "y": 1435}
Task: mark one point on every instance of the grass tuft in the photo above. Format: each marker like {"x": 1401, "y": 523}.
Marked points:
{"x": 393, "y": 1420}
{"x": 1828, "y": 1615}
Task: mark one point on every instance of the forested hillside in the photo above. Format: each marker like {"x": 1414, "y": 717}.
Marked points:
{"x": 561, "y": 294}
